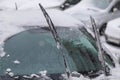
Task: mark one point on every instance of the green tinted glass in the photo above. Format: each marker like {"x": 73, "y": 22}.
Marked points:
{"x": 36, "y": 51}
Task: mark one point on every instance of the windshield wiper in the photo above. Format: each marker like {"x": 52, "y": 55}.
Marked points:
{"x": 99, "y": 46}
{"x": 57, "y": 39}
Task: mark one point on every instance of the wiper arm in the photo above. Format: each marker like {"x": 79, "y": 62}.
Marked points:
{"x": 57, "y": 39}
{"x": 99, "y": 46}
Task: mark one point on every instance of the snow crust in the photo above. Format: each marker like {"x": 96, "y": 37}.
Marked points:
{"x": 28, "y": 4}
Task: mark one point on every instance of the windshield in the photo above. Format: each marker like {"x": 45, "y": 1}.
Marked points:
{"x": 102, "y": 4}
{"x": 89, "y": 37}
{"x": 35, "y": 50}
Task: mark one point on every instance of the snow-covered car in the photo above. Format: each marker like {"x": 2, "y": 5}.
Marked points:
{"x": 101, "y": 10}
{"x": 33, "y": 54}
{"x": 29, "y": 4}
{"x": 112, "y": 32}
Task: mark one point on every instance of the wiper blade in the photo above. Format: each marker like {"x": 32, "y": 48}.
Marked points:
{"x": 57, "y": 39}
{"x": 99, "y": 46}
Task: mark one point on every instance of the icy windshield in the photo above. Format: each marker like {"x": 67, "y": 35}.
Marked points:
{"x": 35, "y": 50}
{"x": 102, "y": 4}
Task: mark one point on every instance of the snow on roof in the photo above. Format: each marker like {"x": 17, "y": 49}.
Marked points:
{"x": 29, "y": 4}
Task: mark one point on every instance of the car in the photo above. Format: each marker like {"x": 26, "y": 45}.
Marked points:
{"x": 112, "y": 32}
{"x": 101, "y": 10}
{"x": 31, "y": 53}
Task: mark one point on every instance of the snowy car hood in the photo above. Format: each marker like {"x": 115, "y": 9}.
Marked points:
{"x": 29, "y": 4}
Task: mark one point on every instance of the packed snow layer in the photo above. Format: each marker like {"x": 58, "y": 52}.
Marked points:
{"x": 46, "y": 4}
{"x": 28, "y": 4}
{"x": 36, "y": 18}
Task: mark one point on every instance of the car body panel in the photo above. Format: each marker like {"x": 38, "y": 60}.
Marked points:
{"x": 112, "y": 31}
